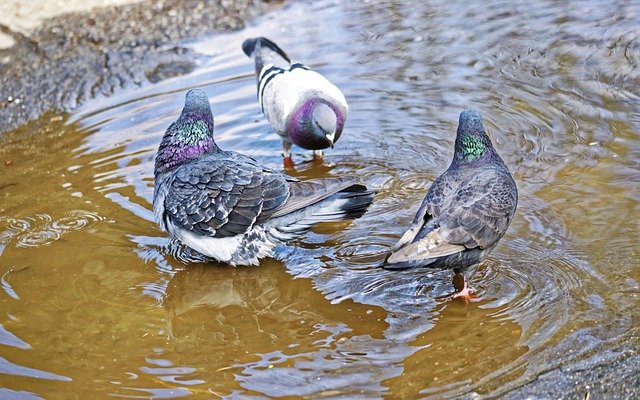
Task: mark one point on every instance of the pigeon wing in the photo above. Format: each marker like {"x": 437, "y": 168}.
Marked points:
{"x": 430, "y": 246}
{"x": 481, "y": 210}
{"x": 223, "y": 198}
{"x": 458, "y": 216}
{"x": 431, "y": 204}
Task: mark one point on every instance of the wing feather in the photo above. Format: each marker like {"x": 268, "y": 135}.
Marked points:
{"x": 223, "y": 197}
{"x": 459, "y": 213}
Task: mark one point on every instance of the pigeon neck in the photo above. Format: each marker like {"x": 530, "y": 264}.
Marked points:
{"x": 186, "y": 139}
{"x": 472, "y": 148}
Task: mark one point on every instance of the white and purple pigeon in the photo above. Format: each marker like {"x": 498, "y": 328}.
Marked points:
{"x": 301, "y": 105}
{"x": 465, "y": 212}
{"x": 227, "y": 206}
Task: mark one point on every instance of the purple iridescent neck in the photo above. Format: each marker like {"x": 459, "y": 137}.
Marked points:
{"x": 186, "y": 139}
{"x": 304, "y": 133}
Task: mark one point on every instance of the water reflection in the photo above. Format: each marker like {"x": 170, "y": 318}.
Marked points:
{"x": 463, "y": 342}
{"x": 273, "y": 334}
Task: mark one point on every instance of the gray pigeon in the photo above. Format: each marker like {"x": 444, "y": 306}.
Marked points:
{"x": 466, "y": 210}
{"x": 302, "y": 106}
{"x": 228, "y": 207}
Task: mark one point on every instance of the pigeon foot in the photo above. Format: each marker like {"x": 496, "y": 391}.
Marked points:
{"x": 288, "y": 162}
{"x": 465, "y": 292}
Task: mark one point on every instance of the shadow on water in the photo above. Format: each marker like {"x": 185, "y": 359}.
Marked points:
{"x": 98, "y": 300}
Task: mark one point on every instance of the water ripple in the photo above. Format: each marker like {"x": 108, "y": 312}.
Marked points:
{"x": 557, "y": 87}
{"x": 43, "y": 230}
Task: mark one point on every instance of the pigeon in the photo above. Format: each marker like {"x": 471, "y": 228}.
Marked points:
{"x": 227, "y": 206}
{"x": 465, "y": 212}
{"x": 301, "y": 105}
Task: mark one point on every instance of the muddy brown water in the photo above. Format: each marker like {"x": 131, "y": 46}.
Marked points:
{"x": 96, "y": 300}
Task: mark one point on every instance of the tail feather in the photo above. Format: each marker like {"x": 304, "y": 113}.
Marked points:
{"x": 265, "y": 52}
{"x": 405, "y": 264}
{"x": 307, "y": 193}
{"x": 349, "y": 203}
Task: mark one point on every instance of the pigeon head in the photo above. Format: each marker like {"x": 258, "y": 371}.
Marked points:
{"x": 316, "y": 125}
{"x": 472, "y": 143}
{"x": 323, "y": 120}
{"x": 190, "y": 136}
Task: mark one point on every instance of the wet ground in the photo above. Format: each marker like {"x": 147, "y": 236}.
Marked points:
{"x": 97, "y": 300}
{"x": 76, "y": 57}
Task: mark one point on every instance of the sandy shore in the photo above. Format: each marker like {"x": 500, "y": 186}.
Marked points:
{"x": 26, "y": 16}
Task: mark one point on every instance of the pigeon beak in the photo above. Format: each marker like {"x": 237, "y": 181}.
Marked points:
{"x": 330, "y": 138}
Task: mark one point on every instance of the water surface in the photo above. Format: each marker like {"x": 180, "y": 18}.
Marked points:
{"x": 96, "y": 299}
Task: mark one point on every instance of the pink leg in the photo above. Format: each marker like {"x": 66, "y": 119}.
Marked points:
{"x": 288, "y": 162}
{"x": 465, "y": 292}
{"x": 286, "y": 152}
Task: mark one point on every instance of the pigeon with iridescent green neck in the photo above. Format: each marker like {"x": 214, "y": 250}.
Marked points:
{"x": 302, "y": 106}
{"x": 466, "y": 210}
{"x": 227, "y": 206}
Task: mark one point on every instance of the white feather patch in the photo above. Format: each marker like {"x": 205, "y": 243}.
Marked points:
{"x": 288, "y": 90}
{"x": 228, "y": 249}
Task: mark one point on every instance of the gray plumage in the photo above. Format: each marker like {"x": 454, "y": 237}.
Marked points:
{"x": 466, "y": 210}
{"x": 226, "y": 206}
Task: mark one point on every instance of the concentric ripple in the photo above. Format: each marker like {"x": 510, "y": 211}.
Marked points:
{"x": 43, "y": 230}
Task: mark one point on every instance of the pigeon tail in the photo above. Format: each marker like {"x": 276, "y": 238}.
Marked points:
{"x": 249, "y": 47}
{"x": 265, "y": 52}
{"x": 349, "y": 203}
{"x": 405, "y": 264}
{"x": 464, "y": 263}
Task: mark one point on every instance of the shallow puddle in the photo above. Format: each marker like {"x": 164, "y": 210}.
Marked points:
{"x": 96, "y": 300}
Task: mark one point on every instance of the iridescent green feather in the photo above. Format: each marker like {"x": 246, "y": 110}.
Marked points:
{"x": 472, "y": 147}
{"x": 194, "y": 132}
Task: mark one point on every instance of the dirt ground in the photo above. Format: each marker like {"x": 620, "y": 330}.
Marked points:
{"x": 55, "y": 64}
